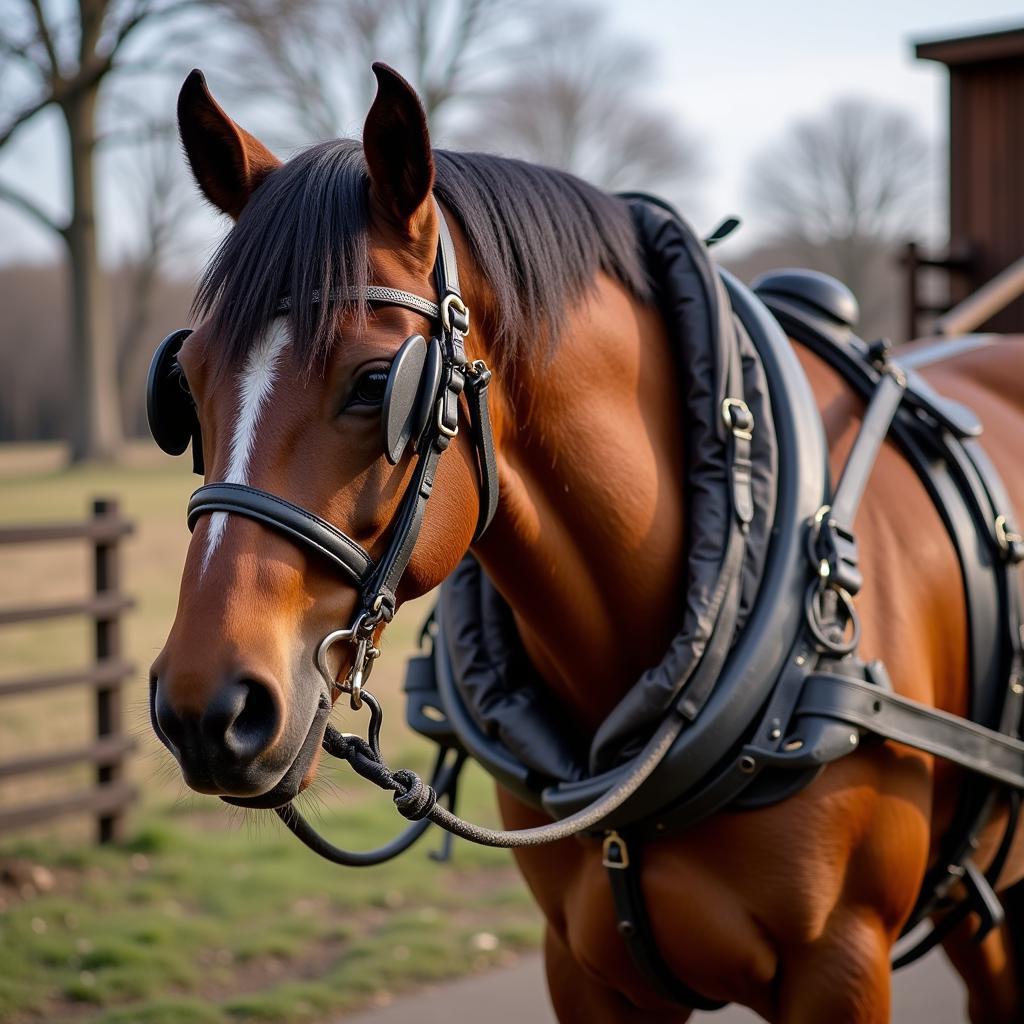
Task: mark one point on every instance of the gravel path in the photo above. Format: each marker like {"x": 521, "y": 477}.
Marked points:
{"x": 927, "y": 993}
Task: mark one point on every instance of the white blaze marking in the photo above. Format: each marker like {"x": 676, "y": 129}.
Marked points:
{"x": 255, "y": 383}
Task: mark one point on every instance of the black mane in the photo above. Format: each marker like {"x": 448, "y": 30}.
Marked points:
{"x": 539, "y": 236}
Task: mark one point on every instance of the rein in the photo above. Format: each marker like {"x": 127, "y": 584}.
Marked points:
{"x": 418, "y": 801}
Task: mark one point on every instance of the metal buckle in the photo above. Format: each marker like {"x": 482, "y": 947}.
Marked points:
{"x": 448, "y": 403}
{"x": 614, "y": 842}
{"x": 360, "y": 633}
{"x": 446, "y": 431}
{"x": 820, "y": 564}
{"x": 477, "y": 373}
{"x": 1005, "y": 537}
{"x": 742, "y": 423}
{"x": 847, "y": 619}
{"x": 449, "y": 303}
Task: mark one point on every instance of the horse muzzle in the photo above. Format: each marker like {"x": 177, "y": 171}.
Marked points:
{"x": 240, "y": 745}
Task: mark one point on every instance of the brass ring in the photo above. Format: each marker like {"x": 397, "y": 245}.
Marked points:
{"x": 449, "y": 302}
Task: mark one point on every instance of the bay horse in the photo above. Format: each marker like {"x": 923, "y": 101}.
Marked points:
{"x": 792, "y": 909}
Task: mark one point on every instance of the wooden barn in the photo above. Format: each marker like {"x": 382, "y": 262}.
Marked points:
{"x": 986, "y": 173}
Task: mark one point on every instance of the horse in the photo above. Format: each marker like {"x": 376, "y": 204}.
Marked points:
{"x": 791, "y": 909}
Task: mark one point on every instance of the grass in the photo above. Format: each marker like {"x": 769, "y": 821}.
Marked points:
{"x": 207, "y": 914}
{"x": 243, "y": 923}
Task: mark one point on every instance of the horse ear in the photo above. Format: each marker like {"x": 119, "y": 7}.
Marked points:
{"x": 227, "y": 162}
{"x": 396, "y": 142}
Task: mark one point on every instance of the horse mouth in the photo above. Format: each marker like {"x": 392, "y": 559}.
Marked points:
{"x": 290, "y": 784}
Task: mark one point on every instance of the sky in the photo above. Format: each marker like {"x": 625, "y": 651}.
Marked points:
{"x": 735, "y": 73}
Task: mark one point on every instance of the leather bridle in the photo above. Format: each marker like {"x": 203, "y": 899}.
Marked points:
{"x": 449, "y": 374}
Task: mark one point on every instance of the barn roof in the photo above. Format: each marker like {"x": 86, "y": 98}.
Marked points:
{"x": 1002, "y": 44}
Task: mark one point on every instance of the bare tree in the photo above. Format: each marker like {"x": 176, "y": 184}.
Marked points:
{"x": 60, "y": 56}
{"x": 162, "y": 199}
{"x": 546, "y": 84}
{"x": 845, "y": 185}
{"x": 578, "y": 100}
{"x": 316, "y": 54}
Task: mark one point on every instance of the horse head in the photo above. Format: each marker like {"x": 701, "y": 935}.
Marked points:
{"x": 291, "y": 374}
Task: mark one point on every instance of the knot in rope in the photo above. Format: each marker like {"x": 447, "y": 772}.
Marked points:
{"x": 363, "y": 759}
{"x": 413, "y": 797}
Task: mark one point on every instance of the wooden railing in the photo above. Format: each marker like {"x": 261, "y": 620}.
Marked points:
{"x": 111, "y": 794}
{"x": 988, "y": 300}
{"x": 916, "y": 305}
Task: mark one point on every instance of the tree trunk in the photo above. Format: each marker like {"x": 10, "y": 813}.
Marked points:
{"x": 96, "y": 425}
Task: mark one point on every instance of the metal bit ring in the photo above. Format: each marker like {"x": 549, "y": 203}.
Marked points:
{"x": 365, "y": 656}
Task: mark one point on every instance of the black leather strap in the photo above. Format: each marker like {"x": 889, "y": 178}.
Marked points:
{"x": 834, "y": 544}
{"x": 887, "y": 714}
{"x": 446, "y": 267}
{"x": 875, "y": 426}
{"x": 380, "y": 592}
{"x": 297, "y": 523}
{"x": 487, "y": 460}
{"x": 622, "y": 865}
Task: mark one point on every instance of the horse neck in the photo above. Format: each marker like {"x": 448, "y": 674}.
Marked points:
{"x": 587, "y": 546}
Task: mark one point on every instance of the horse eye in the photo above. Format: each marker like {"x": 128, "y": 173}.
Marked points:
{"x": 369, "y": 389}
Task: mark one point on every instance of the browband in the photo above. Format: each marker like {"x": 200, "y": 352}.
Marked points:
{"x": 374, "y": 294}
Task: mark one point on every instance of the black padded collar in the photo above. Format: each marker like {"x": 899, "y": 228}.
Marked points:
{"x": 715, "y": 322}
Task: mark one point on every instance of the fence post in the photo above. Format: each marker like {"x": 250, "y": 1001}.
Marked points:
{"x": 913, "y": 302}
{"x": 107, "y": 578}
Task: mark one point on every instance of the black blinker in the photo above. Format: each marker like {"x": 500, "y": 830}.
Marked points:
{"x": 428, "y": 391}
{"x": 399, "y": 412}
{"x": 169, "y": 406}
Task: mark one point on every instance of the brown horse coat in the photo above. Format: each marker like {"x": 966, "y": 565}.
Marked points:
{"x": 791, "y": 910}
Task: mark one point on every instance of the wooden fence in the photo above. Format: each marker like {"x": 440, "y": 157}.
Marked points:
{"x": 111, "y": 794}
{"x": 917, "y": 307}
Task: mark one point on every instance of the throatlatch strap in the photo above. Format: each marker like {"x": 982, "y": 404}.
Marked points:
{"x": 480, "y": 421}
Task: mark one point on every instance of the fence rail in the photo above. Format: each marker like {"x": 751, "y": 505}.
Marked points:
{"x": 988, "y": 300}
{"x": 111, "y": 795}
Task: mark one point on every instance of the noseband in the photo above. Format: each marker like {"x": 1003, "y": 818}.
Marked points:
{"x": 421, "y": 409}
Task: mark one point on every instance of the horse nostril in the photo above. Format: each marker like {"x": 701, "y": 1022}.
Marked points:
{"x": 243, "y": 717}
{"x": 168, "y": 722}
